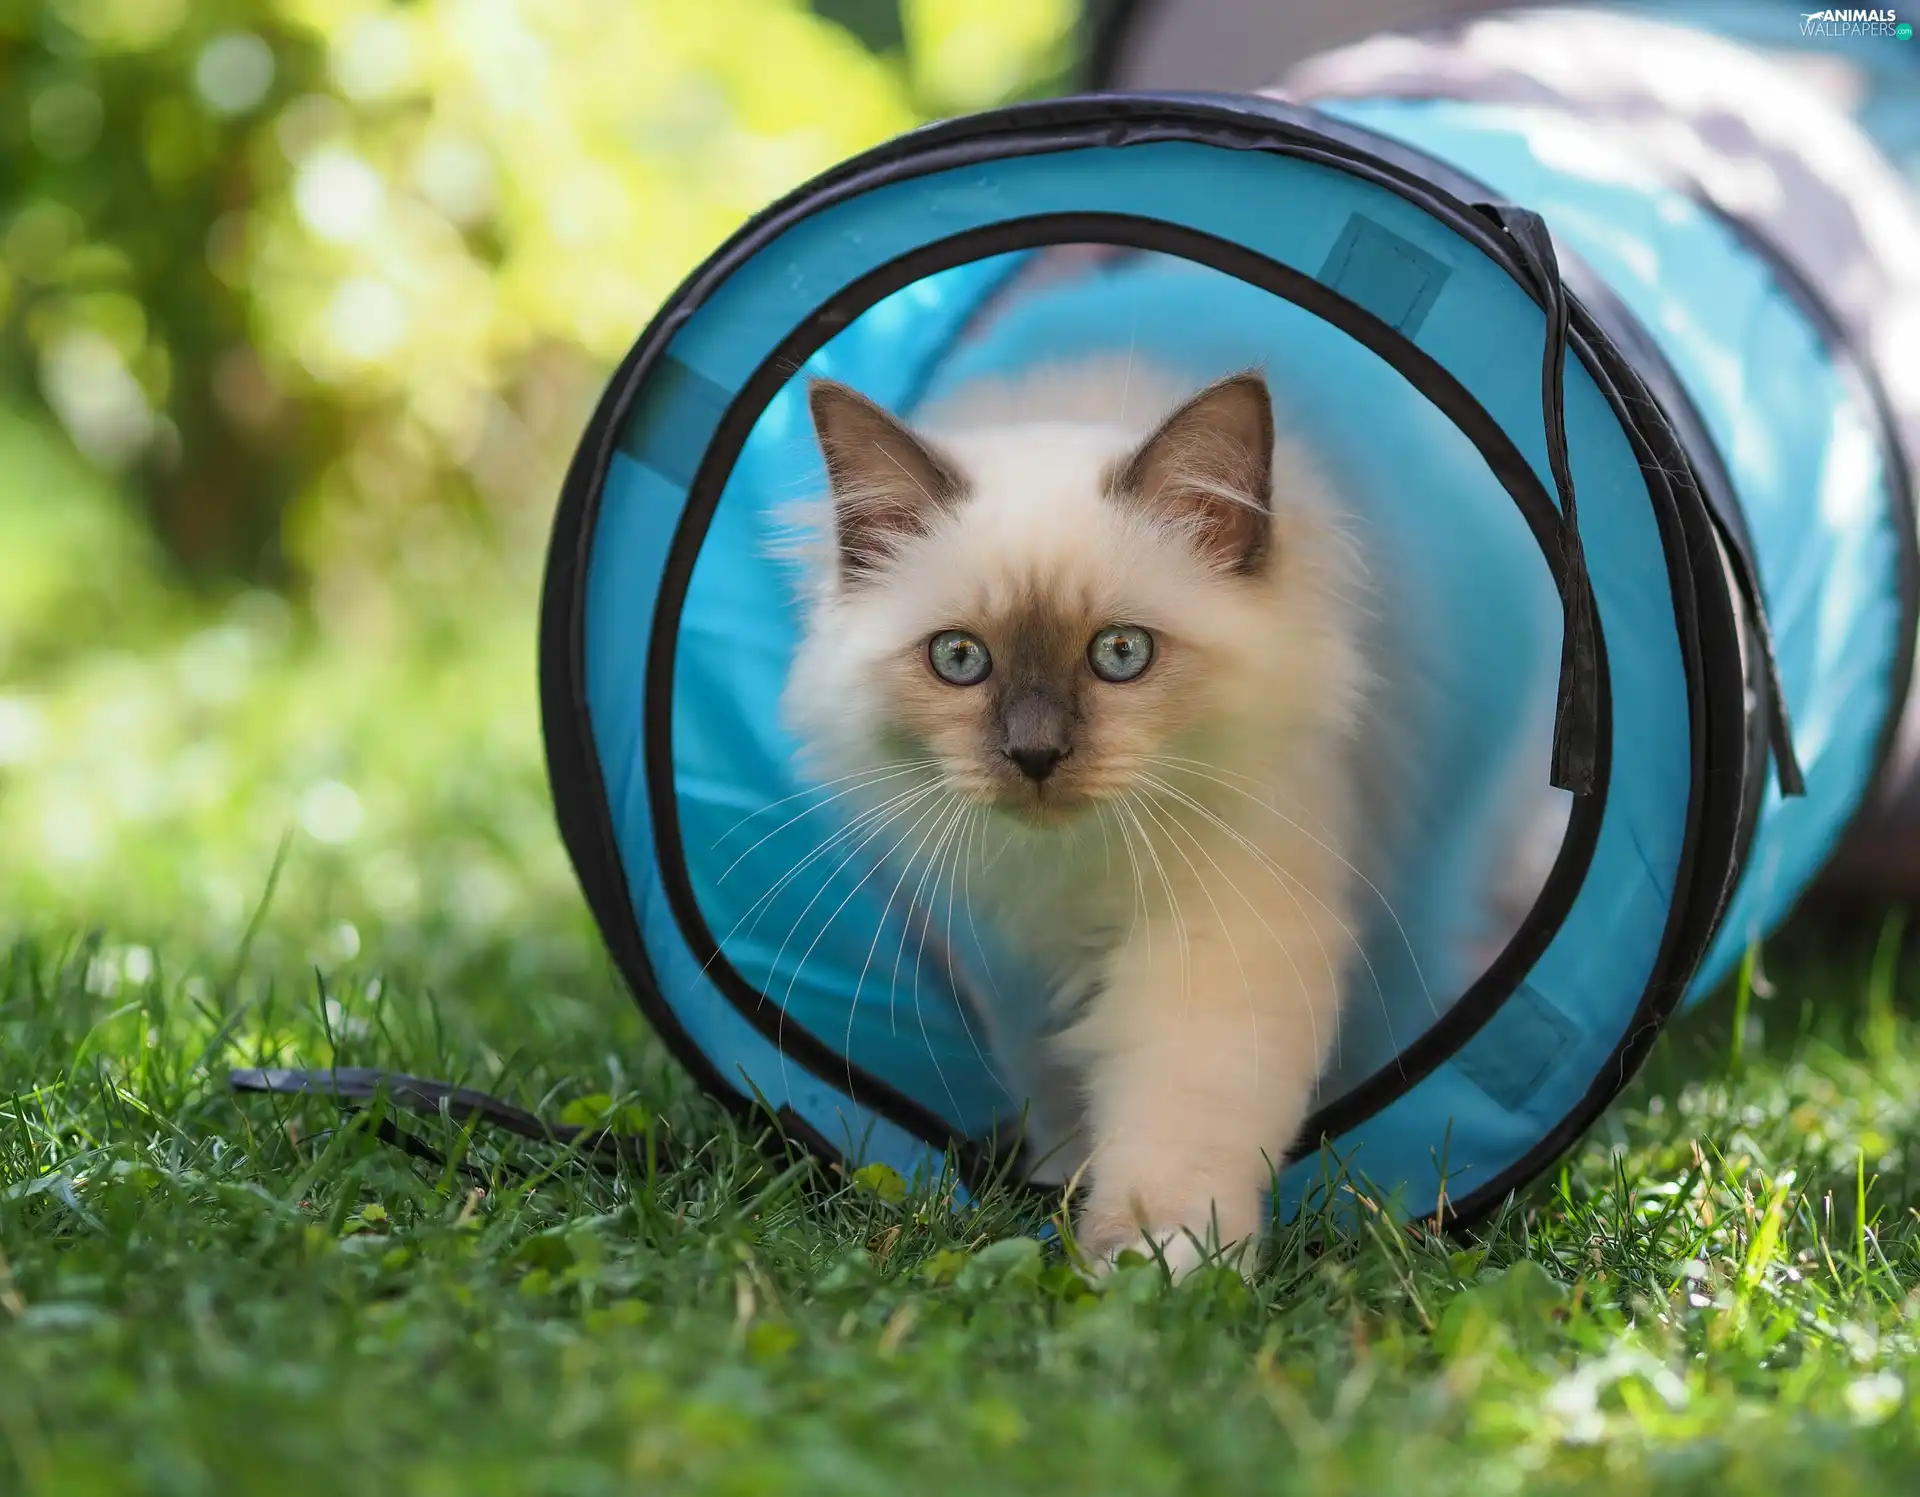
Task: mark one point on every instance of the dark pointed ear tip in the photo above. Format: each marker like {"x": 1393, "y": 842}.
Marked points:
{"x": 828, "y": 399}
{"x": 1251, "y": 385}
{"x": 820, "y": 388}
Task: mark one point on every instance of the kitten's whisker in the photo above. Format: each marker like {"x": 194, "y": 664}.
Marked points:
{"x": 950, "y": 816}
{"x": 992, "y": 1014}
{"x": 1264, "y": 794}
{"x": 978, "y": 834}
{"x": 1266, "y": 864}
{"x": 751, "y": 917}
{"x": 946, "y": 817}
{"x": 872, "y": 773}
{"x": 1138, "y": 903}
{"x": 1139, "y": 887}
{"x": 941, "y": 855}
{"x": 962, "y": 1000}
{"x": 912, "y": 798}
{"x": 950, "y": 870}
{"x": 880, "y": 925}
{"x": 1260, "y": 789}
{"x": 1005, "y": 842}
{"x": 1290, "y": 883}
{"x": 866, "y": 783}
{"x": 1287, "y": 883}
{"x": 1386, "y": 904}
{"x": 820, "y": 936}
{"x": 1140, "y": 911}
{"x": 1246, "y": 983}
{"x": 1173, "y": 901}
{"x": 774, "y": 967}
{"x": 858, "y": 822}
{"x": 874, "y": 828}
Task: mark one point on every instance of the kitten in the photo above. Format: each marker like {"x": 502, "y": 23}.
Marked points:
{"x": 1133, "y": 652}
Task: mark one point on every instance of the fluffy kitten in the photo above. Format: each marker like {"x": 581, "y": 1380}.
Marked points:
{"x": 1133, "y": 650}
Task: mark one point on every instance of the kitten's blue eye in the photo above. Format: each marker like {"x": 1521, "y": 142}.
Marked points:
{"x": 958, "y": 658}
{"x": 1120, "y": 652}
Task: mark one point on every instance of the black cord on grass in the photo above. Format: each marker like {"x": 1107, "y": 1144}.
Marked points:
{"x": 358, "y": 1087}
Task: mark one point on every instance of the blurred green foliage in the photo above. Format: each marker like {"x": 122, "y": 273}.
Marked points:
{"x": 329, "y": 284}
{"x": 309, "y": 299}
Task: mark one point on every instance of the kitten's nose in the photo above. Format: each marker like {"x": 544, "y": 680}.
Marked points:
{"x": 1036, "y": 761}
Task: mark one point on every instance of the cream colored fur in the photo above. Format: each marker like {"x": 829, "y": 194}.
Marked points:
{"x": 1189, "y": 898}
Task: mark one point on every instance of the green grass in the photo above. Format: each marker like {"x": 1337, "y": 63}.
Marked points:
{"x": 204, "y": 1294}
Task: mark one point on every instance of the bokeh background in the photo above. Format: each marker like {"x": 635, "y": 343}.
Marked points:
{"x": 303, "y": 304}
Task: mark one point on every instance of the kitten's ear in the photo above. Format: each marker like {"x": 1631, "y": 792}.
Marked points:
{"x": 1209, "y": 469}
{"x": 887, "y": 483}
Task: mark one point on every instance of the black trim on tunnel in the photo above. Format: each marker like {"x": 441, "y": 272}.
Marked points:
{"x": 1704, "y": 606}
{"x": 1061, "y": 125}
{"x": 1729, "y": 745}
{"x": 1655, "y": 387}
{"x": 1857, "y": 368}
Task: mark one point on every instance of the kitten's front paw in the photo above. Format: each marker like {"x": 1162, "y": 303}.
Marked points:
{"x": 1180, "y": 1249}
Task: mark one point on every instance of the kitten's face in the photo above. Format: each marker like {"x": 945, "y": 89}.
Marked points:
{"x": 1042, "y": 610}
{"x": 1043, "y": 695}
